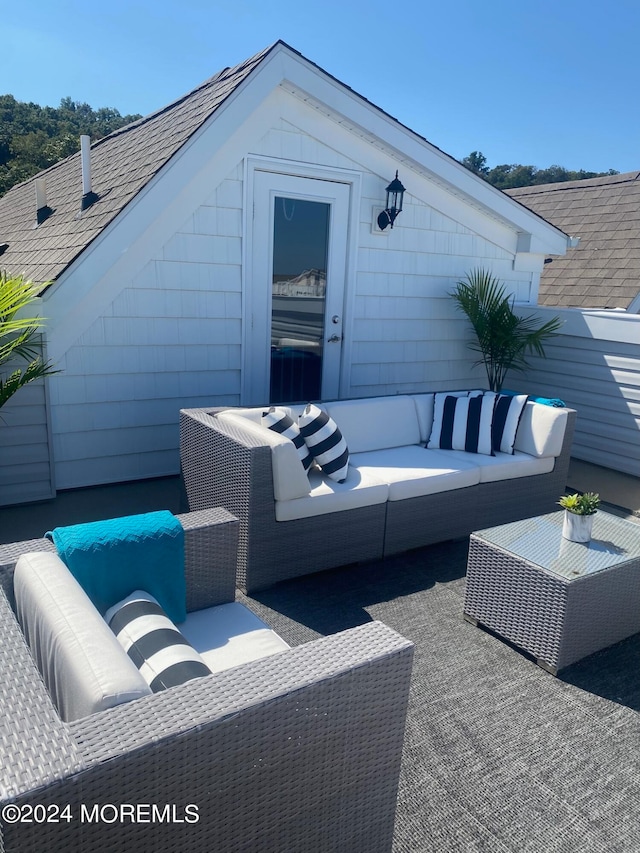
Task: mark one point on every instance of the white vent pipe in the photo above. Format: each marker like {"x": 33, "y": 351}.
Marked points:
{"x": 85, "y": 156}
{"x": 41, "y": 193}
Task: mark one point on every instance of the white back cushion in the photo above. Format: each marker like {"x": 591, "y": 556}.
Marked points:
{"x": 85, "y": 668}
{"x": 424, "y": 410}
{"x": 253, "y": 415}
{"x": 377, "y": 422}
{"x": 541, "y": 430}
{"x": 289, "y": 477}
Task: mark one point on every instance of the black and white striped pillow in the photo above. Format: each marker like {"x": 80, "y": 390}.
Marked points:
{"x": 325, "y": 442}
{"x": 279, "y": 421}
{"x": 463, "y": 423}
{"x": 158, "y": 649}
{"x": 506, "y": 418}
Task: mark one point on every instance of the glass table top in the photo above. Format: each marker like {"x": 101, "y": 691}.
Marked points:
{"x": 539, "y": 540}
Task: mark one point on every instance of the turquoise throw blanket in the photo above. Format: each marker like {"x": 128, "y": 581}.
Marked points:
{"x": 110, "y": 559}
{"x": 546, "y": 401}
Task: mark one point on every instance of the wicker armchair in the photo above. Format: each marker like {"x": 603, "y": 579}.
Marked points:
{"x": 299, "y": 751}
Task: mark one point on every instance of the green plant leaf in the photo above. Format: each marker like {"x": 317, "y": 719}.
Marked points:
{"x": 501, "y": 337}
{"x": 19, "y": 336}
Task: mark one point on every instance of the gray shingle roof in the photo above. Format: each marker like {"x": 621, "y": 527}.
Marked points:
{"x": 604, "y": 270}
{"x": 121, "y": 165}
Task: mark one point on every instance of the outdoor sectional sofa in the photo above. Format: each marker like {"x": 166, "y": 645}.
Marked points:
{"x": 398, "y": 494}
{"x": 298, "y": 750}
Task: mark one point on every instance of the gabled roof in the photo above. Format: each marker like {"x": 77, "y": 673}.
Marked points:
{"x": 121, "y": 165}
{"x": 603, "y": 271}
{"x": 125, "y": 162}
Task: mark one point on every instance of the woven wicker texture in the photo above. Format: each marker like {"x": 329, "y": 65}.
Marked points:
{"x": 559, "y": 608}
{"x": 300, "y": 751}
{"x": 499, "y": 757}
{"x": 222, "y": 465}
{"x": 35, "y": 747}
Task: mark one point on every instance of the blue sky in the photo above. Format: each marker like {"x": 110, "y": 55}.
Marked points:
{"x": 540, "y": 83}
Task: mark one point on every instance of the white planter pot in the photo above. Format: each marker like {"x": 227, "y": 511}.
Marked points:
{"x": 577, "y": 528}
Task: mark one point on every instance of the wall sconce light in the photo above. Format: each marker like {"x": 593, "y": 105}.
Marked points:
{"x": 395, "y": 193}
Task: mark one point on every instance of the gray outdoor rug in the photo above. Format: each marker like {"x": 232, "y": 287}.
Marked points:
{"x": 500, "y": 756}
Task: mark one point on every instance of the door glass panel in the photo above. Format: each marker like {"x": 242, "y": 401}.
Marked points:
{"x": 300, "y": 252}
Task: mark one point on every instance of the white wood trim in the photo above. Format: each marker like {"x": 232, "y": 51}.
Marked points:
{"x": 140, "y": 231}
{"x": 330, "y": 96}
{"x": 253, "y": 389}
{"x": 613, "y": 325}
{"x": 382, "y": 162}
{"x": 180, "y": 185}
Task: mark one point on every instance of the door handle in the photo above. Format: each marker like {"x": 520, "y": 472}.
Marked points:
{"x": 334, "y": 339}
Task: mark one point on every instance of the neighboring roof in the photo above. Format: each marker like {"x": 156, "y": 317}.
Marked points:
{"x": 603, "y": 271}
{"x": 121, "y": 165}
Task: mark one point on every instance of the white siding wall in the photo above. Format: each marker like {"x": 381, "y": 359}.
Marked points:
{"x": 405, "y": 333}
{"x": 594, "y": 366}
{"x": 26, "y": 472}
{"x": 172, "y": 337}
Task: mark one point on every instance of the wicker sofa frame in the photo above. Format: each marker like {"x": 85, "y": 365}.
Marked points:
{"x": 300, "y": 751}
{"x": 222, "y": 465}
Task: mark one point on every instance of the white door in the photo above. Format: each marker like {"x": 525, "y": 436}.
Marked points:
{"x": 297, "y": 288}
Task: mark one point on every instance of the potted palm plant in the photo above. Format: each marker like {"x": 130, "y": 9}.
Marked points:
{"x": 579, "y": 511}
{"x": 501, "y": 336}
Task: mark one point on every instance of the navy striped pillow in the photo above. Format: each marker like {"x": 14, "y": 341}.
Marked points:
{"x": 464, "y": 423}
{"x": 154, "y": 644}
{"x": 325, "y": 442}
{"x": 506, "y": 418}
{"x": 279, "y": 421}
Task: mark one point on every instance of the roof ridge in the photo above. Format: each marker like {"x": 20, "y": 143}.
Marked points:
{"x": 228, "y": 71}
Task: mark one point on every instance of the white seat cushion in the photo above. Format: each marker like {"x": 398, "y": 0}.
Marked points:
{"x": 505, "y": 466}
{"x": 359, "y": 489}
{"x": 414, "y": 471}
{"x": 229, "y": 635}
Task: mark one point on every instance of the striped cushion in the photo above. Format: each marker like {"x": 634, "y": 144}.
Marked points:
{"x": 279, "y": 421}
{"x": 506, "y": 418}
{"x": 463, "y": 423}
{"x": 154, "y": 644}
{"x": 325, "y": 442}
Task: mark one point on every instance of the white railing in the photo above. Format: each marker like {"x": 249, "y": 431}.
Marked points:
{"x": 594, "y": 366}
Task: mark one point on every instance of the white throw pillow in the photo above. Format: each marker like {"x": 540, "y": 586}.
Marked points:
{"x": 463, "y": 423}
{"x": 279, "y": 421}
{"x": 161, "y": 653}
{"x": 506, "y": 419}
{"x": 325, "y": 442}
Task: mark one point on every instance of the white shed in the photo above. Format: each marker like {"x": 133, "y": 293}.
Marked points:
{"x": 227, "y": 252}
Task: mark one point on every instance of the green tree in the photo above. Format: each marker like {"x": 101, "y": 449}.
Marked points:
{"x": 509, "y": 176}
{"x": 476, "y": 162}
{"x": 33, "y": 138}
{"x": 18, "y": 337}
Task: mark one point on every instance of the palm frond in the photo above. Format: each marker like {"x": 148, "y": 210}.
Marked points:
{"x": 19, "y": 336}
{"x": 501, "y": 336}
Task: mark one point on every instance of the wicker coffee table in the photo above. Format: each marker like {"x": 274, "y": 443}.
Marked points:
{"x": 557, "y": 600}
